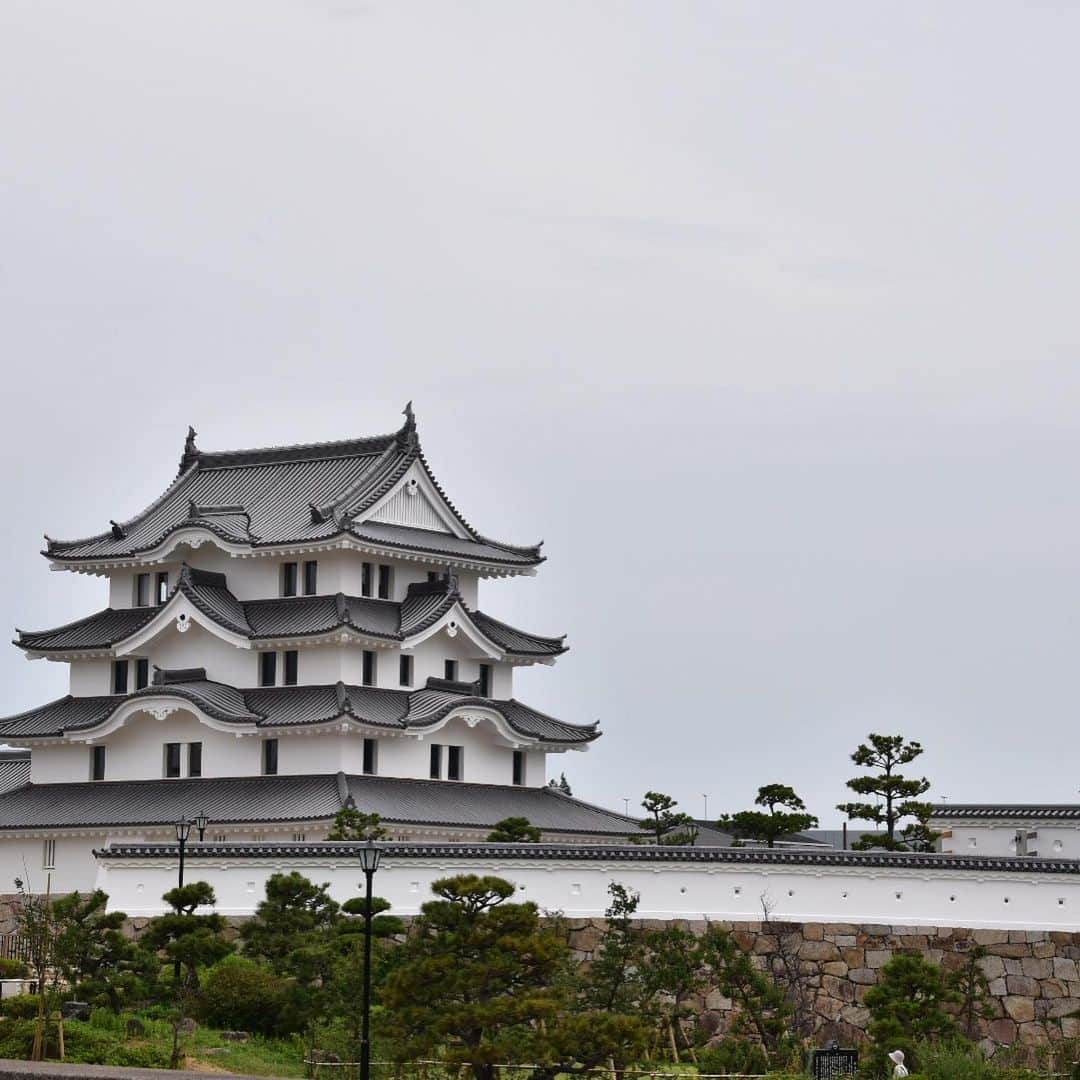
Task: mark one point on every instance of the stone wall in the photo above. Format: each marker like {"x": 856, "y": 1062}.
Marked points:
{"x": 1033, "y": 975}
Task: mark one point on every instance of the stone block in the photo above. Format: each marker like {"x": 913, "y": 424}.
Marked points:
{"x": 813, "y": 932}
{"x": 865, "y": 976}
{"x": 990, "y": 937}
{"x": 1015, "y": 949}
{"x": 1022, "y": 985}
{"x": 1033, "y": 1034}
{"x": 833, "y": 928}
{"x": 828, "y": 1007}
{"x": 993, "y": 967}
{"x": 818, "y": 950}
{"x": 840, "y": 989}
{"x": 854, "y": 958}
{"x": 1021, "y": 1009}
{"x": 1054, "y": 1009}
{"x": 1053, "y": 988}
{"x": 878, "y": 958}
{"x": 834, "y": 967}
{"x": 1013, "y": 966}
{"x": 1036, "y": 968}
{"x": 1065, "y": 969}
{"x": 844, "y": 941}
{"x": 1044, "y": 950}
{"x": 1070, "y": 1027}
{"x": 878, "y": 930}
{"x": 716, "y": 1002}
{"x": 856, "y": 1016}
{"x": 997, "y": 987}
{"x": 1003, "y": 1031}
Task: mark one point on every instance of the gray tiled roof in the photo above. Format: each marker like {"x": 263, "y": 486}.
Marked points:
{"x": 290, "y": 617}
{"x": 257, "y": 799}
{"x": 989, "y": 811}
{"x": 611, "y": 853}
{"x": 290, "y": 495}
{"x": 270, "y": 707}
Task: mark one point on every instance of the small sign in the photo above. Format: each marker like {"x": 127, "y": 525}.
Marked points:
{"x": 825, "y": 1064}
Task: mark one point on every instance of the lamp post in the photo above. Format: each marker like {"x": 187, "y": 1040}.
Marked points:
{"x": 370, "y": 854}
{"x": 183, "y": 831}
{"x": 200, "y": 823}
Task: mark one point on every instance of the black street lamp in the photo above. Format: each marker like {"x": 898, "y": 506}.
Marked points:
{"x": 183, "y": 831}
{"x": 200, "y": 823}
{"x": 370, "y": 854}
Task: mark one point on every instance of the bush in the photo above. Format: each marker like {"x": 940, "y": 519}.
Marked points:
{"x": 243, "y": 995}
{"x": 20, "y": 1006}
{"x": 12, "y": 969}
{"x": 733, "y": 1056}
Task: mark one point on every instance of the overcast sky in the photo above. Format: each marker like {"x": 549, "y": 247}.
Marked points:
{"x": 763, "y": 316}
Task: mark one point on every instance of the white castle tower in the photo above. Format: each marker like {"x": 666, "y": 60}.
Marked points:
{"x": 288, "y": 631}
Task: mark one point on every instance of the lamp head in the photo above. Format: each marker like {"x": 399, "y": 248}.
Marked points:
{"x": 370, "y": 854}
{"x": 183, "y": 830}
{"x": 200, "y": 823}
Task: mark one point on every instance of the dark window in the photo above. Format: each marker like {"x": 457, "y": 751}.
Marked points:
{"x": 449, "y": 669}
{"x": 436, "y": 761}
{"x": 311, "y": 577}
{"x": 162, "y": 587}
{"x": 292, "y": 663}
{"x": 433, "y": 576}
{"x": 384, "y": 582}
{"x": 370, "y": 757}
{"x": 194, "y": 759}
{"x": 288, "y": 579}
{"x": 367, "y": 676}
{"x": 405, "y": 671}
{"x": 519, "y": 767}
{"x": 365, "y": 579}
{"x": 270, "y": 757}
{"x": 267, "y": 668}
{"x": 453, "y": 762}
{"x": 485, "y": 680}
{"x": 172, "y": 759}
{"x": 142, "y": 590}
{"x": 97, "y": 763}
{"x": 142, "y": 673}
{"x": 119, "y": 676}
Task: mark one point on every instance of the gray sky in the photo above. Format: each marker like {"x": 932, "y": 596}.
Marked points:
{"x": 763, "y": 316}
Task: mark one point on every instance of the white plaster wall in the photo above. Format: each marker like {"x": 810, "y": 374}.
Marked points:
{"x": 673, "y": 890}
{"x": 89, "y": 678}
{"x": 22, "y": 857}
{"x": 58, "y": 763}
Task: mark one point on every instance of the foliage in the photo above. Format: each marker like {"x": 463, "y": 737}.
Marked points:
{"x": 241, "y": 994}
{"x": 733, "y": 1055}
{"x": 907, "y": 1006}
{"x": 514, "y": 830}
{"x": 353, "y": 824}
{"x": 190, "y": 941}
{"x": 970, "y": 984}
{"x": 896, "y": 795}
{"x": 613, "y": 981}
{"x": 666, "y": 826}
{"x": 294, "y": 909}
{"x": 473, "y": 978}
{"x": 12, "y": 969}
{"x": 784, "y": 815}
{"x": 20, "y": 1006}
{"x": 95, "y": 956}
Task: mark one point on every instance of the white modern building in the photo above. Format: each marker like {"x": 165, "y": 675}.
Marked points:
{"x": 288, "y": 631}
{"x": 1035, "y": 830}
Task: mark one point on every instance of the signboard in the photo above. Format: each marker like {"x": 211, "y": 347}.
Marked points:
{"x": 825, "y": 1064}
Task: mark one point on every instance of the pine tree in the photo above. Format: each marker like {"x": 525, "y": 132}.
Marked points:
{"x": 897, "y": 795}
{"x": 514, "y": 830}
{"x": 353, "y": 824}
{"x": 666, "y": 826}
{"x": 784, "y": 815}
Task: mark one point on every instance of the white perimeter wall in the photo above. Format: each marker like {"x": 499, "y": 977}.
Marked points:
{"x": 1059, "y": 840}
{"x": 670, "y": 890}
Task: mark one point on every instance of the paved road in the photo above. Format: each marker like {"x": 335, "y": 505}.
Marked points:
{"x": 36, "y": 1070}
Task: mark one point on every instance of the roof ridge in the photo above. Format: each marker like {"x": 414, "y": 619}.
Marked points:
{"x": 516, "y": 629}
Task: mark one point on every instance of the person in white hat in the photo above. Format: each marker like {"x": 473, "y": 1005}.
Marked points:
{"x": 897, "y": 1058}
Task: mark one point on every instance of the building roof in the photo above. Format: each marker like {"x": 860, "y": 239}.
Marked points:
{"x": 293, "y": 495}
{"x": 1007, "y": 811}
{"x": 291, "y": 706}
{"x": 292, "y": 617}
{"x": 611, "y": 853}
{"x": 269, "y": 799}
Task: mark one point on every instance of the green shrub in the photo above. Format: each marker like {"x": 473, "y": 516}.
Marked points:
{"x": 244, "y": 995}
{"x": 20, "y": 1006}
{"x": 12, "y": 969}
{"x": 733, "y": 1056}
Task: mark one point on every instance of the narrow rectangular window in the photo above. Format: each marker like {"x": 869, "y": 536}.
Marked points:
{"x": 194, "y": 759}
{"x": 519, "y": 767}
{"x": 311, "y": 577}
{"x": 432, "y": 576}
{"x": 142, "y": 673}
{"x": 292, "y": 667}
{"x": 172, "y": 760}
{"x": 367, "y": 675}
{"x": 288, "y": 579}
{"x": 485, "y": 680}
{"x": 436, "y": 762}
{"x": 162, "y": 587}
{"x": 371, "y": 760}
{"x": 268, "y": 669}
{"x": 365, "y": 579}
{"x": 405, "y": 665}
{"x": 450, "y": 669}
{"x": 142, "y": 590}
{"x": 384, "y": 582}
{"x": 97, "y": 762}
{"x": 270, "y": 752}
{"x": 48, "y": 854}
{"x": 454, "y": 755}
{"x": 299, "y": 837}
{"x": 119, "y": 676}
